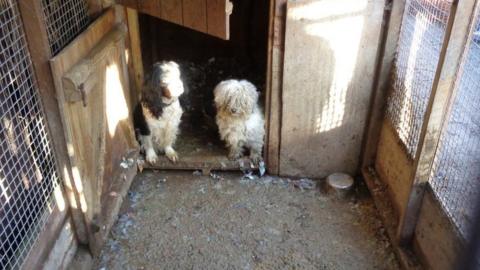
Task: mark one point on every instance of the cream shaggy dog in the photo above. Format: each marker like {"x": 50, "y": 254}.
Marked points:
{"x": 239, "y": 118}
{"x": 158, "y": 114}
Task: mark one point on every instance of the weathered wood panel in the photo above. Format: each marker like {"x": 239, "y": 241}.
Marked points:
{"x": 207, "y": 16}
{"x": 436, "y": 239}
{"x": 273, "y": 107}
{"x": 195, "y": 14}
{"x": 394, "y": 167}
{"x": 329, "y": 65}
{"x": 153, "y": 8}
{"x": 171, "y": 10}
{"x": 98, "y": 128}
{"x": 218, "y": 13}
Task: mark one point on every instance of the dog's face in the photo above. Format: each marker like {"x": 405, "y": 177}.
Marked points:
{"x": 165, "y": 84}
{"x": 235, "y": 98}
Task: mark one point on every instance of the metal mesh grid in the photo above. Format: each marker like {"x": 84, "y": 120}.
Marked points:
{"x": 28, "y": 174}
{"x": 455, "y": 177}
{"x": 65, "y": 19}
{"x": 419, "y": 45}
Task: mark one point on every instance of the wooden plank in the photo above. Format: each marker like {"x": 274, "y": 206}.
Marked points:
{"x": 135, "y": 54}
{"x": 150, "y": 7}
{"x": 329, "y": 65}
{"x": 36, "y": 34}
{"x": 436, "y": 240}
{"x": 392, "y": 20}
{"x": 273, "y": 107}
{"x": 172, "y": 11}
{"x": 394, "y": 167}
{"x": 456, "y": 34}
{"x": 218, "y": 18}
{"x": 195, "y": 14}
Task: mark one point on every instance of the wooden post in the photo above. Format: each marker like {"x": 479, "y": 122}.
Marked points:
{"x": 388, "y": 47}
{"x": 456, "y": 35}
{"x": 135, "y": 61}
{"x": 36, "y": 34}
{"x": 273, "y": 107}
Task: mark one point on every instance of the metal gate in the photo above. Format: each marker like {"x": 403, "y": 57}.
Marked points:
{"x": 28, "y": 174}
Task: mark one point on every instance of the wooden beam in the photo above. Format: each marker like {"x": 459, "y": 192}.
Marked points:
{"x": 135, "y": 61}
{"x": 456, "y": 34}
{"x": 36, "y": 34}
{"x": 273, "y": 108}
{"x": 391, "y": 30}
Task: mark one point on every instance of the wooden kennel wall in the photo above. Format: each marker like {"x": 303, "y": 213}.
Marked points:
{"x": 308, "y": 49}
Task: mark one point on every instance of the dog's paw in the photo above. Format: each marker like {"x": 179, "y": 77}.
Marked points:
{"x": 151, "y": 156}
{"x": 171, "y": 155}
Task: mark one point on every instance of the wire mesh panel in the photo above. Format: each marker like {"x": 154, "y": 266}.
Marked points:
{"x": 419, "y": 45}
{"x": 65, "y": 19}
{"x": 455, "y": 176}
{"x": 28, "y": 175}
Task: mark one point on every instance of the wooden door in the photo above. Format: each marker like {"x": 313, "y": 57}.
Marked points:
{"x": 328, "y": 72}
{"x": 208, "y": 16}
{"x": 92, "y": 89}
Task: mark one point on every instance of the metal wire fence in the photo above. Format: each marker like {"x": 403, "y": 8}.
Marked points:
{"x": 28, "y": 175}
{"x": 65, "y": 19}
{"x": 455, "y": 177}
{"x": 419, "y": 45}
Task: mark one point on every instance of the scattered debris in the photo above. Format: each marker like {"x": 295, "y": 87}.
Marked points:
{"x": 127, "y": 163}
{"x": 261, "y": 168}
{"x": 124, "y": 223}
{"x": 134, "y": 197}
{"x": 216, "y": 177}
{"x": 304, "y": 184}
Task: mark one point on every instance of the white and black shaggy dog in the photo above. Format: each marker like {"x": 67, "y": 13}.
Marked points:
{"x": 157, "y": 116}
{"x": 239, "y": 118}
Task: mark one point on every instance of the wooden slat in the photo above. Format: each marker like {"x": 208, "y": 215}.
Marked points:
{"x": 195, "y": 14}
{"x": 274, "y": 83}
{"x": 456, "y": 34}
{"x": 135, "y": 55}
{"x": 329, "y": 65}
{"x": 436, "y": 240}
{"x": 36, "y": 34}
{"x": 150, "y": 7}
{"x": 218, "y": 22}
{"x": 171, "y": 10}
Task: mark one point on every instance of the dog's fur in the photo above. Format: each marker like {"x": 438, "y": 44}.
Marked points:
{"x": 157, "y": 116}
{"x": 239, "y": 118}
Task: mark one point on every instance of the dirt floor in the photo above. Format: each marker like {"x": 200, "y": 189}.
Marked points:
{"x": 183, "y": 220}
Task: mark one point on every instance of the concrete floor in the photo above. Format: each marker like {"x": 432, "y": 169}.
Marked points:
{"x": 180, "y": 220}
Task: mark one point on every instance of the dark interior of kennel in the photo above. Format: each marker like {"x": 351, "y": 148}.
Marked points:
{"x": 206, "y": 60}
